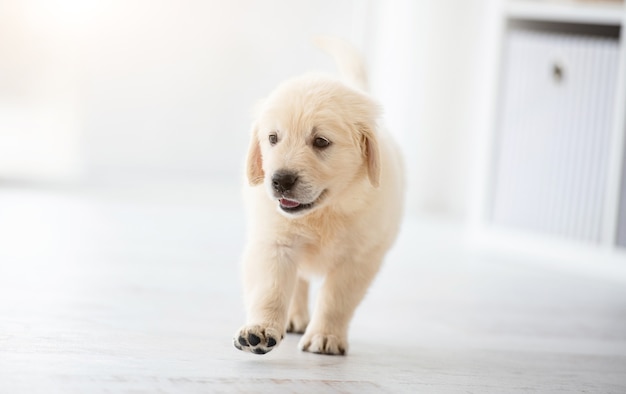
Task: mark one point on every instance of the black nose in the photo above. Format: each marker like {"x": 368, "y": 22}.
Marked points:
{"x": 283, "y": 181}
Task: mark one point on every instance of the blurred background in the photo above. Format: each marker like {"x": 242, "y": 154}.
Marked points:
{"x": 95, "y": 91}
{"x": 510, "y": 113}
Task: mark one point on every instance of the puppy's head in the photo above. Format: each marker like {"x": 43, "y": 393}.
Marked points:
{"x": 314, "y": 139}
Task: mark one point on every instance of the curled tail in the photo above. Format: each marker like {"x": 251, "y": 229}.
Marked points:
{"x": 348, "y": 59}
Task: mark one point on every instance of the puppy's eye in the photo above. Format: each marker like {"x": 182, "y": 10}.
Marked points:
{"x": 273, "y": 139}
{"x": 321, "y": 142}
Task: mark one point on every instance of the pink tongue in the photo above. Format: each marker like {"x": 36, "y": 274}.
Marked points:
{"x": 288, "y": 203}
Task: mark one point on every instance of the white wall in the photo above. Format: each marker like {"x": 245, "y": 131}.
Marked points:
{"x": 182, "y": 86}
{"x": 166, "y": 88}
{"x": 433, "y": 69}
{"x": 149, "y": 86}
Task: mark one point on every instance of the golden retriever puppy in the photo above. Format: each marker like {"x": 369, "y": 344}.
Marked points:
{"x": 324, "y": 198}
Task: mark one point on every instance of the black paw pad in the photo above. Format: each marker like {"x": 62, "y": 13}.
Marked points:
{"x": 259, "y": 351}
{"x": 253, "y": 339}
{"x": 242, "y": 341}
{"x": 271, "y": 342}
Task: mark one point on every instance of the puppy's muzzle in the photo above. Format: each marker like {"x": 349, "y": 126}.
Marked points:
{"x": 284, "y": 181}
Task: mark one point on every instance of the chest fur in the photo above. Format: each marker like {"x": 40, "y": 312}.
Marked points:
{"x": 319, "y": 243}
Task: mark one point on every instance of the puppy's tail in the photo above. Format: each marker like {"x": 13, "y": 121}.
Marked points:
{"x": 348, "y": 59}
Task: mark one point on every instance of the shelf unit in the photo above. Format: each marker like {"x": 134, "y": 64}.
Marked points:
{"x": 593, "y": 13}
{"x": 603, "y": 255}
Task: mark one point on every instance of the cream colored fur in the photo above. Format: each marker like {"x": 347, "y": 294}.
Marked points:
{"x": 356, "y": 187}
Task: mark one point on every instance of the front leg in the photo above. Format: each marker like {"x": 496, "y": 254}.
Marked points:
{"x": 341, "y": 293}
{"x": 269, "y": 276}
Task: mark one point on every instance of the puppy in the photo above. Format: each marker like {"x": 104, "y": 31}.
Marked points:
{"x": 324, "y": 198}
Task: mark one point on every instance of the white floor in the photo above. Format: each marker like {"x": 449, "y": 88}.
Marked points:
{"x": 136, "y": 290}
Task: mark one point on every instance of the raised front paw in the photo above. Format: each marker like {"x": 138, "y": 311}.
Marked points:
{"x": 257, "y": 339}
{"x": 323, "y": 344}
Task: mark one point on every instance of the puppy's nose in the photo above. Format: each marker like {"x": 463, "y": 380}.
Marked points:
{"x": 283, "y": 181}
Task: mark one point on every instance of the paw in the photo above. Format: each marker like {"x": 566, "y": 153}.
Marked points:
{"x": 257, "y": 339}
{"x": 323, "y": 344}
{"x": 298, "y": 323}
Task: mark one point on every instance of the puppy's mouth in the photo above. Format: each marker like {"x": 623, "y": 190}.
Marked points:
{"x": 292, "y": 206}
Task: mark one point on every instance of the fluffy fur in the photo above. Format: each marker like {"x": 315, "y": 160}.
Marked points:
{"x": 336, "y": 214}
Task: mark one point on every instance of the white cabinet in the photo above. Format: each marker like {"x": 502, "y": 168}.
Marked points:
{"x": 554, "y": 132}
{"x": 554, "y": 178}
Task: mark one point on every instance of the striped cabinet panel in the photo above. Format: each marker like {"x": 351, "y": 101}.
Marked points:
{"x": 554, "y": 131}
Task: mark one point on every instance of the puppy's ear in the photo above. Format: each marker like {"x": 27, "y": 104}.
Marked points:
{"x": 254, "y": 160}
{"x": 371, "y": 153}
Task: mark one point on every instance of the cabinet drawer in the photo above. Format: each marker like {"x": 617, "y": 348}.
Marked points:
{"x": 554, "y": 132}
